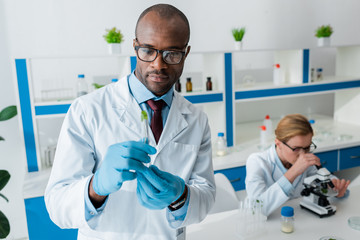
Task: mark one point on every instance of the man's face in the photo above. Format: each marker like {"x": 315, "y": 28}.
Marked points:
{"x": 157, "y": 33}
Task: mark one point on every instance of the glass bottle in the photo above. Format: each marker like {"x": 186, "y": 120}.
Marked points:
{"x": 208, "y": 84}
{"x": 81, "y": 86}
{"x": 287, "y": 219}
{"x": 178, "y": 85}
{"x": 319, "y": 75}
{"x": 312, "y": 75}
{"x": 188, "y": 85}
{"x": 220, "y": 145}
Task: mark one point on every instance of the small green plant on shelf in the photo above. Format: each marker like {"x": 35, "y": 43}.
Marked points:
{"x": 323, "y": 31}
{"x": 238, "y": 34}
{"x": 97, "y": 86}
{"x": 113, "y": 35}
{"x": 5, "y": 114}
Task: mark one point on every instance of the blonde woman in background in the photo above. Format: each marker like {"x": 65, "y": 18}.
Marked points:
{"x": 277, "y": 174}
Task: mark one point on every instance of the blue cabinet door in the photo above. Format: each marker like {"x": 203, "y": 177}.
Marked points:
{"x": 329, "y": 160}
{"x": 236, "y": 176}
{"x": 40, "y": 227}
{"x": 349, "y": 157}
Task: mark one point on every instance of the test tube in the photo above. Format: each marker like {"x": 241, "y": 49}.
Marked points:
{"x": 144, "y": 120}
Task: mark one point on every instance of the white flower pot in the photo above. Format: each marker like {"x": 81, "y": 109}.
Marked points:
{"x": 114, "y": 48}
{"x": 238, "y": 45}
{"x": 324, "y": 41}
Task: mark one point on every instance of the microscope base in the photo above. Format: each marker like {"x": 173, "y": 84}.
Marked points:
{"x": 320, "y": 211}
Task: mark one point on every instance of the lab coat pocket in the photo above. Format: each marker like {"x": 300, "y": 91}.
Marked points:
{"x": 177, "y": 158}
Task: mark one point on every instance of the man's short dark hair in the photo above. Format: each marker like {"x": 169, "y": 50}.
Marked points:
{"x": 166, "y": 11}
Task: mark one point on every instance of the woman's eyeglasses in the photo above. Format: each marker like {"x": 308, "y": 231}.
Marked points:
{"x": 308, "y": 149}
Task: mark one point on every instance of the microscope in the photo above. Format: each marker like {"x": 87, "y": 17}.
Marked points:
{"x": 316, "y": 192}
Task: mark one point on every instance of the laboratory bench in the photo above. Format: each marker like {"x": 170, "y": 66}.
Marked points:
{"x": 338, "y": 148}
{"x": 225, "y": 225}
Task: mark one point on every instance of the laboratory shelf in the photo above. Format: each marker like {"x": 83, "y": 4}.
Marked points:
{"x": 63, "y": 108}
{"x": 51, "y": 109}
{"x": 205, "y": 98}
{"x": 300, "y": 89}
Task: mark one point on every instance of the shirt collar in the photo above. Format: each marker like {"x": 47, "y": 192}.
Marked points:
{"x": 278, "y": 161}
{"x": 142, "y": 94}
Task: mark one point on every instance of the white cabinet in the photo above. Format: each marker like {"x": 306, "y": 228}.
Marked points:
{"x": 46, "y": 88}
{"x": 243, "y": 90}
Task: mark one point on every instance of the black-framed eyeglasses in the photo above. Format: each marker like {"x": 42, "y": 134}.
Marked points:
{"x": 149, "y": 54}
{"x": 308, "y": 149}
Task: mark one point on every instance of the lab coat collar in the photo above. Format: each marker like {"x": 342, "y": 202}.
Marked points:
{"x": 126, "y": 106}
{"x": 129, "y": 113}
{"x": 175, "y": 122}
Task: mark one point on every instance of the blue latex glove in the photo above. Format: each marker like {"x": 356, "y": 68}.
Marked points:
{"x": 122, "y": 162}
{"x": 157, "y": 189}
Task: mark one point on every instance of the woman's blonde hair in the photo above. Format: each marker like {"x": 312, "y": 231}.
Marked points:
{"x": 292, "y": 125}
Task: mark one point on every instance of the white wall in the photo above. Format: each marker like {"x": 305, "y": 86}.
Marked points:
{"x": 75, "y": 27}
{"x": 42, "y": 27}
{"x": 12, "y": 151}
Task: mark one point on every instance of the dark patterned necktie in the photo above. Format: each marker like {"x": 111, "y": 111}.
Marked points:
{"x": 156, "y": 120}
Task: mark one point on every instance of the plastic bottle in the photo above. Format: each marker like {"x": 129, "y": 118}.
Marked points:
{"x": 277, "y": 75}
{"x": 221, "y": 145}
{"x": 287, "y": 219}
{"x": 312, "y": 123}
{"x": 208, "y": 84}
{"x": 188, "y": 85}
{"x": 263, "y": 137}
{"x": 269, "y": 129}
{"x": 178, "y": 85}
{"x": 81, "y": 86}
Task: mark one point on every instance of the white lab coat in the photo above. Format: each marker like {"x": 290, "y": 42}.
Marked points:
{"x": 262, "y": 180}
{"x": 111, "y": 115}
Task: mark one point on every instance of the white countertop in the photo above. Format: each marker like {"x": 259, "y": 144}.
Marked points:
{"x": 327, "y": 139}
{"x": 35, "y": 183}
{"x": 307, "y": 225}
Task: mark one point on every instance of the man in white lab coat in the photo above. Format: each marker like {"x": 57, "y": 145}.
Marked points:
{"x": 106, "y": 180}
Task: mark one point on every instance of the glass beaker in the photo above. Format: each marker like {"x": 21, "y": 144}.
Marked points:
{"x": 251, "y": 220}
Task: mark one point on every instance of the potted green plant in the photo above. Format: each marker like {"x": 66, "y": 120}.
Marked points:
{"x": 323, "y": 34}
{"x": 238, "y": 34}
{"x": 5, "y": 114}
{"x": 114, "y": 38}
